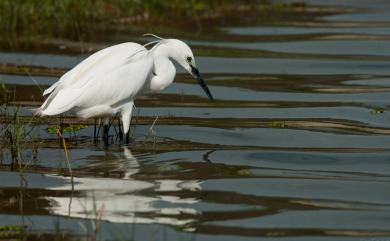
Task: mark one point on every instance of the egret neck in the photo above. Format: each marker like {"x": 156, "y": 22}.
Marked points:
{"x": 164, "y": 70}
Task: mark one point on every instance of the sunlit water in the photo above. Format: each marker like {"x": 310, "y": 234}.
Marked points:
{"x": 303, "y": 155}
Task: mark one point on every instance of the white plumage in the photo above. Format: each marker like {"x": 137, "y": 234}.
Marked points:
{"x": 107, "y": 82}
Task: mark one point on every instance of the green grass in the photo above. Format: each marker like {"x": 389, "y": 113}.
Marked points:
{"x": 15, "y": 133}
{"x": 67, "y": 128}
{"x": 32, "y": 21}
{"x": 76, "y": 19}
{"x": 10, "y": 232}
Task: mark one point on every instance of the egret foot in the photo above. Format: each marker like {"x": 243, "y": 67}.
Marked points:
{"x": 127, "y": 138}
{"x": 120, "y": 131}
{"x": 95, "y": 134}
{"x": 105, "y": 134}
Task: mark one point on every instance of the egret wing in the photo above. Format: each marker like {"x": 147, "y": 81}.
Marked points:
{"x": 86, "y": 64}
{"x": 106, "y": 77}
{"x": 101, "y": 61}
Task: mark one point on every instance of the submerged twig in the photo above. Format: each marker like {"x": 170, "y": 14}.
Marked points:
{"x": 152, "y": 132}
{"x": 66, "y": 156}
{"x": 96, "y": 225}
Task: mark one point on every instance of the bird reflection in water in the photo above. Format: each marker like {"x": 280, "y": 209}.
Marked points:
{"x": 127, "y": 200}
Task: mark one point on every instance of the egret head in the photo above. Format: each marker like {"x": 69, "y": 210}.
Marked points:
{"x": 181, "y": 53}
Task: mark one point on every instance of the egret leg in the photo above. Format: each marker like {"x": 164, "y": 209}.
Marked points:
{"x": 126, "y": 117}
{"x": 106, "y": 128}
{"x": 105, "y": 134}
{"x": 95, "y": 133}
{"x": 127, "y": 138}
{"x": 120, "y": 130}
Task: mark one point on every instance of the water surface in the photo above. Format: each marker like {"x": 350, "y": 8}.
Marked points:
{"x": 294, "y": 148}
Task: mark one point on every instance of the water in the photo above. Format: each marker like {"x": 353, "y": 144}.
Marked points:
{"x": 294, "y": 148}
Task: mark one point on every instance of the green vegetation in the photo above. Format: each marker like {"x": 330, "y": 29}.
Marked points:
{"x": 66, "y": 128}
{"x": 14, "y": 133}
{"x": 11, "y": 232}
{"x": 21, "y": 232}
{"x": 79, "y": 19}
{"x": 31, "y": 21}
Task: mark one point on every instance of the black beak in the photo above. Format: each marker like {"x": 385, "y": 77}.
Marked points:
{"x": 198, "y": 77}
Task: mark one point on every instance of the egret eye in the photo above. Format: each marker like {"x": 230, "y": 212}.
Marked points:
{"x": 189, "y": 59}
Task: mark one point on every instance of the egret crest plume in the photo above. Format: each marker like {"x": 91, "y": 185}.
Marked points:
{"x": 152, "y": 42}
{"x": 153, "y": 35}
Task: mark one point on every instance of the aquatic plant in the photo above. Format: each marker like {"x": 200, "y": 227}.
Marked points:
{"x": 152, "y": 133}
{"x": 66, "y": 128}
{"x": 14, "y": 132}
{"x": 9, "y": 232}
{"x": 63, "y": 142}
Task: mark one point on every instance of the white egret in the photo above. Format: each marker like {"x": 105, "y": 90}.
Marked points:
{"x": 107, "y": 82}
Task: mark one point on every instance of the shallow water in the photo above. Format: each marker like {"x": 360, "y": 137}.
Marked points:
{"x": 335, "y": 47}
{"x": 292, "y": 149}
{"x": 264, "y": 30}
